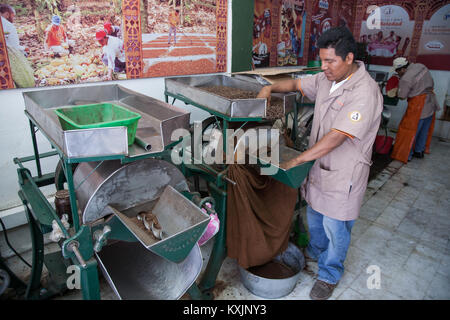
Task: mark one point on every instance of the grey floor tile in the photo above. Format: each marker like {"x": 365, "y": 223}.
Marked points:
{"x": 396, "y": 164}
{"x": 432, "y": 252}
{"x": 444, "y": 267}
{"x": 345, "y": 282}
{"x": 434, "y": 240}
{"x": 410, "y": 227}
{"x": 387, "y": 261}
{"x": 361, "y": 286}
{"x": 407, "y": 194}
{"x": 302, "y": 289}
{"x": 369, "y": 212}
{"x": 434, "y": 186}
{"x": 373, "y": 240}
{"x": 426, "y": 202}
{"x": 392, "y": 186}
{"x": 439, "y": 288}
{"x": 421, "y": 266}
{"x": 407, "y": 285}
{"x": 401, "y": 244}
{"x": 400, "y": 205}
{"x": 350, "y": 294}
{"x": 391, "y": 217}
{"x": 360, "y": 226}
{"x": 378, "y": 202}
{"x": 440, "y": 233}
{"x": 357, "y": 260}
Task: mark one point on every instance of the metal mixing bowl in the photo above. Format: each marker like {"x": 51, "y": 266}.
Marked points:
{"x": 276, "y": 288}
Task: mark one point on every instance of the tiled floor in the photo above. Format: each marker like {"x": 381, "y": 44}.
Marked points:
{"x": 403, "y": 230}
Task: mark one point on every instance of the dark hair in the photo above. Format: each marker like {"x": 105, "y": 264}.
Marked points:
{"x": 339, "y": 38}
{"x": 6, "y": 8}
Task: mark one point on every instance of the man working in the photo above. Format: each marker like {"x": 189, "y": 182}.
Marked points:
{"x": 9, "y": 30}
{"x": 111, "y": 30}
{"x": 416, "y": 128}
{"x": 22, "y": 73}
{"x": 113, "y": 53}
{"x": 56, "y": 38}
{"x": 347, "y": 116}
{"x": 174, "y": 20}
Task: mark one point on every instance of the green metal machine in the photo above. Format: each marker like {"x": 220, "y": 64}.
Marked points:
{"x": 110, "y": 182}
{"x": 100, "y": 170}
{"x": 235, "y": 113}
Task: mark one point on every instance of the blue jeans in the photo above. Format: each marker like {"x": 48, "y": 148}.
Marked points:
{"x": 329, "y": 242}
{"x": 421, "y": 136}
{"x": 173, "y": 31}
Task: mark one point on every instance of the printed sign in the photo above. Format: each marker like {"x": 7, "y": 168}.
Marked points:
{"x": 391, "y": 38}
{"x": 434, "y": 45}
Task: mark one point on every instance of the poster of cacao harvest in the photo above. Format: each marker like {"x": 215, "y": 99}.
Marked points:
{"x": 59, "y": 42}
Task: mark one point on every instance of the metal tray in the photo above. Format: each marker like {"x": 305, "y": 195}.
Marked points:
{"x": 182, "y": 222}
{"x": 187, "y": 89}
{"x": 158, "y": 120}
{"x": 135, "y": 273}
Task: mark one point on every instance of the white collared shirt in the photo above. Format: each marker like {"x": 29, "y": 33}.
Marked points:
{"x": 11, "y": 36}
{"x": 335, "y": 85}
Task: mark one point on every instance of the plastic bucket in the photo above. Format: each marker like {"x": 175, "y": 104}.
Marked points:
{"x": 99, "y": 115}
{"x": 314, "y": 64}
{"x": 383, "y": 144}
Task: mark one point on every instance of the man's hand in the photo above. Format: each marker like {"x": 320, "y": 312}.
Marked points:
{"x": 328, "y": 143}
{"x": 265, "y": 93}
{"x": 289, "y": 164}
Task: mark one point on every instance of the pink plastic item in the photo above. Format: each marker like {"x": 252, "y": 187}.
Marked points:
{"x": 211, "y": 229}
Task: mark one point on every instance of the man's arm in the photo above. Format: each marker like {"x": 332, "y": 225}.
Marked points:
{"x": 328, "y": 143}
{"x": 404, "y": 87}
{"x": 282, "y": 86}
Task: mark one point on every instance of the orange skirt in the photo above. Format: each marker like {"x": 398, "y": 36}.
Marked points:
{"x": 404, "y": 139}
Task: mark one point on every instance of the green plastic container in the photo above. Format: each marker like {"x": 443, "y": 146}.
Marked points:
{"x": 312, "y": 64}
{"x": 390, "y": 101}
{"x": 99, "y": 115}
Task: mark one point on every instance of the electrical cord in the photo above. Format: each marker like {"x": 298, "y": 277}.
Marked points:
{"x": 9, "y": 244}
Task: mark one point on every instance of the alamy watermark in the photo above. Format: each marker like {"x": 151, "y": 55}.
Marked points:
{"x": 374, "y": 18}
{"x": 374, "y": 280}
{"x": 241, "y": 147}
{"x": 74, "y": 279}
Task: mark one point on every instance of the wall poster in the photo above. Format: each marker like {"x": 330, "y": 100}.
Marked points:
{"x": 345, "y": 14}
{"x": 56, "y": 42}
{"x": 292, "y": 33}
{"x": 278, "y": 33}
{"x": 262, "y": 32}
{"x": 321, "y": 21}
{"x": 434, "y": 45}
{"x": 392, "y": 39}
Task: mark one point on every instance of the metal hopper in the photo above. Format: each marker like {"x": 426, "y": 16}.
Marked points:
{"x": 135, "y": 273}
{"x": 292, "y": 177}
{"x": 110, "y": 188}
{"x": 158, "y": 120}
{"x": 188, "y": 90}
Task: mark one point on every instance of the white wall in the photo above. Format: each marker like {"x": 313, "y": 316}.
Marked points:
{"x": 15, "y": 136}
